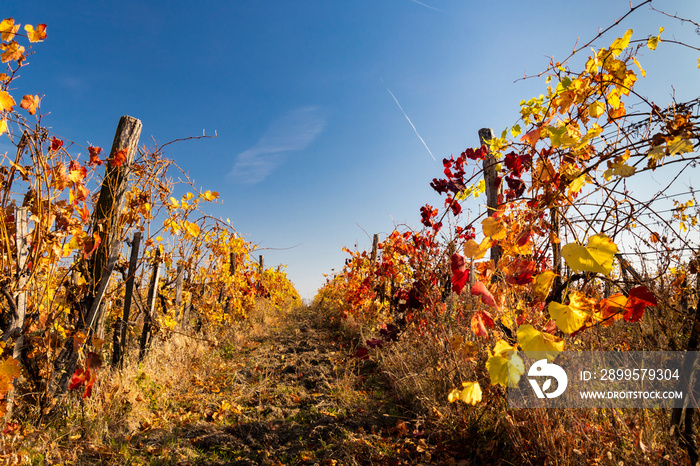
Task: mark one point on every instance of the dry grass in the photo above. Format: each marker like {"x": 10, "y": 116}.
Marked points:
{"x": 424, "y": 367}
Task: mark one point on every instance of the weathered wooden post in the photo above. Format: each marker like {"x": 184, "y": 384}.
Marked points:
{"x": 233, "y": 263}
{"x": 20, "y": 311}
{"x": 556, "y": 248}
{"x": 123, "y": 322}
{"x": 375, "y": 247}
{"x": 490, "y": 178}
{"x": 107, "y": 224}
{"x": 178, "y": 291}
{"x": 150, "y": 307}
{"x": 106, "y": 221}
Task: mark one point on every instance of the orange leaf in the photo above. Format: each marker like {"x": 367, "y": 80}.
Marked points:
{"x": 481, "y": 320}
{"x": 84, "y": 213}
{"x": 30, "y": 103}
{"x": 12, "y": 51}
{"x": 532, "y": 137}
{"x": 36, "y": 35}
{"x": 119, "y": 158}
{"x": 611, "y": 309}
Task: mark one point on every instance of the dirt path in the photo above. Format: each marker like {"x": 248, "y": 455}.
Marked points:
{"x": 304, "y": 398}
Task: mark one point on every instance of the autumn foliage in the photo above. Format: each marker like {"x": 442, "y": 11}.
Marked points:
{"x": 574, "y": 253}
{"x": 57, "y": 183}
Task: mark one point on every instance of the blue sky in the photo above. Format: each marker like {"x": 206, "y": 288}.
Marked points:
{"x": 313, "y": 151}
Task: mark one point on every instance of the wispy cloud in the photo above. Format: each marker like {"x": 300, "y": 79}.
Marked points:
{"x": 423, "y": 4}
{"x": 293, "y": 131}
{"x": 411, "y": 123}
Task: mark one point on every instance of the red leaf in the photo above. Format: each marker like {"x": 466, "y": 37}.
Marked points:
{"x": 78, "y": 379}
{"x": 93, "y": 361}
{"x": 521, "y": 272}
{"x": 362, "y": 353}
{"x": 460, "y": 274}
{"x": 639, "y": 298}
{"x": 94, "y": 156}
{"x": 56, "y": 144}
{"x": 479, "y": 289}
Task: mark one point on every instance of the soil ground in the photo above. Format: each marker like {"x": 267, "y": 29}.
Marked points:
{"x": 302, "y": 396}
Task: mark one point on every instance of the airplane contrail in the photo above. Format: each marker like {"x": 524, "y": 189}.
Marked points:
{"x": 411, "y": 123}
{"x": 423, "y": 4}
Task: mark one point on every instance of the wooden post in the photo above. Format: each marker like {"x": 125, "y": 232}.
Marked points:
{"x": 123, "y": 322}
{"x": 556, "y": 248}
{"x": 17, "y": 326}
{"x": 20, "y": 303}
{"x": 106, "y": 224}
{"x": 375, "y": 248}
{"x": 106, "y": 216}
{"x": 178, "y": 291}
{"x": 233, "y": 263}
{"x": 262, "y": 266}
{"x": 492, "y": 191}
{"x": 150, "y": 307}
{"x": 683, "y": 418}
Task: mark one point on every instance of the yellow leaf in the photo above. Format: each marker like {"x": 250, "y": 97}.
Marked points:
{"x": 621, "y": 43}
{"x": 173, "y": 203}
{"x": 571, "y": 317}
{"x": 6, "y": 101}
{"x": 641, "y": 70}
{"x": 474, "y": 250}
{"x": 596, "y": 109}
{"x": 505, "y": 371}
{"x": 8, "y": 28}
{"x": 619, "y": 169}
{"x": 493, "y": 228}
{"x": 454, "y": 395}
{"x": 471, "y": 393}
{"x": 538, "y": 344}
{"x": 542, "y": 283}
{"x": 191, "y": 228}
{"x": 656, "y": 153}
{"x": 505, "y": 366}
{"x": 596, "y": 256}
{"x": 516, "y": 130}
{"x": 653, "y": 42}
{"x": 679, "y": 146}
{"x": 10, "y": 368}
{"x": 210, "y": 196}
{"x": 3, "y": 126}
{"x": 577, "y": 184}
